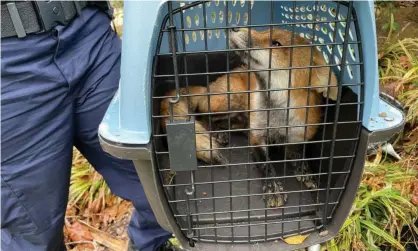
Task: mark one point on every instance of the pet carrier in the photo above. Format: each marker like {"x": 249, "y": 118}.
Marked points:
{"x": 248, "y": 121}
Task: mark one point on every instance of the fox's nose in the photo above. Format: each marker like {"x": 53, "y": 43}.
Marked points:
{"x": 235, "y": 29}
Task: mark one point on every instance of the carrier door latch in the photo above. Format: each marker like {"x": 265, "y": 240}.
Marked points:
{"x": 181, "y": 137}
{"x": 181, "y": 142}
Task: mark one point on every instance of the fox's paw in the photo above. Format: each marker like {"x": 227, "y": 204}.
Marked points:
{"x": 221, "y": 138}
{"x": 303, "y": 172}
{"x": 218, "y": 158}
{"x": 331, "y": 93}
{"x": 272, "y": 196}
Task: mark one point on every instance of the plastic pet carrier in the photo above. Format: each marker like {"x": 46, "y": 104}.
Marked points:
{"x": 248, "y": 121}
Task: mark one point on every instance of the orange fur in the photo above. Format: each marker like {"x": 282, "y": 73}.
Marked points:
{"x": 239, "y": 82}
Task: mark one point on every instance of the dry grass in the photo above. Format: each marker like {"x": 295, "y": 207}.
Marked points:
{"x": 399, "y": 74}
{"x": 93, "y": 211}
{"x": 86, "y": 185}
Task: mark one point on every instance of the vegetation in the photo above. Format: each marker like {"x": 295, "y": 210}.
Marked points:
{"x": 117, "y": 4}
{"x": 390, "y": 25}
{"x": 385, "y": 210}
{"x": 382, "y": 209}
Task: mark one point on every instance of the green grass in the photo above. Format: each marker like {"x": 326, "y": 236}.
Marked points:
{"x": 383, "y": 207}
{"x": 86, "y": 185}
{"x": 380, "y": 211}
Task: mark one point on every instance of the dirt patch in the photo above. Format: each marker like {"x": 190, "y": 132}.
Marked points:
{"x": 405, "y": 15}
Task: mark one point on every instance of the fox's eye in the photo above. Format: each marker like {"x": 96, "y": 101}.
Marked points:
{"x": 276, "y": 43}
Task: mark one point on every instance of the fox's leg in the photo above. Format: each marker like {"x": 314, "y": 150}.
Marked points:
{"x": 272, "y": 188}
{"x": 209, "y": 103}
{"x": 232, "y": 122}
{"x": 300, "y": 167}
{"x": 205, "y": 141}
{"x": 295, "y": 152}
{"x": 205, "y": 146}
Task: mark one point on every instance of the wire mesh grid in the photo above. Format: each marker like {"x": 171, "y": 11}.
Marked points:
{"x": 274, "y": 148}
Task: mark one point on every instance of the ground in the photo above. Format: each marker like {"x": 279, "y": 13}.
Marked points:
{"x": 405, "y": 15}
{"x": 96, "y": 220}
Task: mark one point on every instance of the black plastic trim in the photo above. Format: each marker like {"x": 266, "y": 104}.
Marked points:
{"x": 124, "y": 151}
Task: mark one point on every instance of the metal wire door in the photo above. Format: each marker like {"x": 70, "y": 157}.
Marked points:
{"x": 226, "y": 202}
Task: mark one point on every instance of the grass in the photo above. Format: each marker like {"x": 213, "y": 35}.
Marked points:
{"x": 383, "y": 214}
{"x": 410, "y": 100}
{"x": 398, "y": 72}
{"x": 399, "y": 65}
{"x": 381, "y": 210}
{"x": 86, "y": 185}
{"x": 391, "y": 25}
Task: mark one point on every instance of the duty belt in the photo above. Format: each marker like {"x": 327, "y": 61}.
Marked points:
{"x": 20, "y": 18}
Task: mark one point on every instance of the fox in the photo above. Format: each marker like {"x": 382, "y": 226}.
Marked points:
{"x": 286, "y": 122}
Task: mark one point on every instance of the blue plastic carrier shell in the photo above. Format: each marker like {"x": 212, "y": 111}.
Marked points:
{"x": 125, "y": 131}
{"x": 128, "y": 119}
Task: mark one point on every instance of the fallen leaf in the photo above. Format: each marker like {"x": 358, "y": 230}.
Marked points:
{"x": 374, "y": 182}
{"x": 405, "y": 62}
{"x": 84, "y": 247}
{"x": 109, "y": 214}
{"x": 383, "y": 114}
{"x": 78, "y": 232}
{"x": 390, "y": 88}
{"x": 323, "y": 233}
{"x": 414, "y": 200}
{"x": 124, "y": 208}
{"x": 378, "y": 157}
{"x": 71, "y": 211}
{"x": 98, "y": 204}
{"x": 111, "y": 200}
{"x": 295, "y": 240}
{"x": 106, "y": 239}
{"x": 66, "y": 237}
{"x": 110, "y": 241}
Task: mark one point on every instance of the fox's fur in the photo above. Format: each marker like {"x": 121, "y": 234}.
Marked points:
{"x": 239, "y": 82}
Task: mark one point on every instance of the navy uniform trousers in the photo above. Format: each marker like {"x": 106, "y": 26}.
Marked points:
{"x": 55, "y": 89}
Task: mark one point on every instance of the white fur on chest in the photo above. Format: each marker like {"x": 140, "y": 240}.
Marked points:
{"x": 279, "y": 82}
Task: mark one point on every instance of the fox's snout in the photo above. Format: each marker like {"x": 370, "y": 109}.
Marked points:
{"x": 238, "y": 38}
{"x": 235, "y": 29}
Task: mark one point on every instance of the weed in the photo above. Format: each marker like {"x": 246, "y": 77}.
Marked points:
{"x": 389, "y": 7}
{"x": 391, "y": 26}
{"x": 380, "y": 211}
{"x": 86, "y": 185}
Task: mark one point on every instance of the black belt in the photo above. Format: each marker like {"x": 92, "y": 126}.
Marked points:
{"x": 20, "y": 18}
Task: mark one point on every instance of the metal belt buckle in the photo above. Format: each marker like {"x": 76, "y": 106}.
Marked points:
{"x": 50, "y": 14}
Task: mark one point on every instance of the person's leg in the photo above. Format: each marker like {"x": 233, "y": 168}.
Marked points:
{"x": 95, "y": 92}
{"x": 36, "y": 145}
